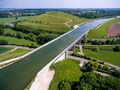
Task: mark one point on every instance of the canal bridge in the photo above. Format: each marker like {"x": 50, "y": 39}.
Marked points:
{"x": 19, "y": 74}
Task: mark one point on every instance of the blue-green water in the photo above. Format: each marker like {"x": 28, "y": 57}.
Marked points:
{"x": 18, "y": 75}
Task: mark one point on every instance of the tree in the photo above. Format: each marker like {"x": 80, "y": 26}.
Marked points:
{"x": 3, "y": 42}
{"x": 64, "y": 85}
{"x": 32, "y": 37}
{"x": 1, "y": 31}
{"x": 19, "y": 35}
{"x": 44, "y": 38}
{"x": 91, "y": 65}
{"x": 116, "y": 49}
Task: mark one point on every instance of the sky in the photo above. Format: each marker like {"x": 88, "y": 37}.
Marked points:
{"x": 59, "y": 3}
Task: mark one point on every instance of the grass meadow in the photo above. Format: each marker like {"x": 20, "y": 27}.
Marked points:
{"x": 65, "y": 70}
{"x": 105, "y": 54}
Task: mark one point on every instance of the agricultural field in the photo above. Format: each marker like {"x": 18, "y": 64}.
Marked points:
{"x": 114, "y": 30}
{"x": 102, "y": 31}
{"x": 52, "y": 22}
{"x": 5, "y": 20}
{"x": 65, "y": 70}
{"x": 105, "y": 54}
{"x": 12, "y": 54}
{"x": 5, "y": 49}
{"x": 15, "y": 41}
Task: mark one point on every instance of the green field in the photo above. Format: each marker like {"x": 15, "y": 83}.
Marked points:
{"x": 105, "y": 54}
{"x": 15, "y": 41}
{"x": 101, "y": 32}
{"x": 52, "y": 21}
{"x": 5, "y": 20}
{"x": 65, "y": 70}
{"x": 12, "y": 54}
{"x": 4, "y": 49}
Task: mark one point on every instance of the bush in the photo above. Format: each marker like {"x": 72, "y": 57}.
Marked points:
{"x": 96, "y": 49}
{"x": 44, "y": 38}
{"x": 116, "y": 49}
{"x": 64, "y": 85}
{"x": 3, "y": 42}
{"x": 91, "y": 65}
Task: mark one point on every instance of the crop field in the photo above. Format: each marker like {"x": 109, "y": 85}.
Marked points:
{"x": 114, "y": 30}
{"x": 105, "y": 54}
{"x": 52, "y": 21}
{"x": 102, "y": 31}
{"x": 12, "y": 54}
{"x": 65, "y": 70}
{"x": 5, "y": 49}
{"x": 4, "y": 20}
{"x": 15, "y": 41}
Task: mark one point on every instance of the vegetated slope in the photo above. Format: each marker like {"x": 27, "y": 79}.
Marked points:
{"x": 65, "y": 71}
{"x": 12, "y": 54}
{"x": 105, "y": 53}
{"x": 101, "y": 32}
{"x": 52, "y": 22}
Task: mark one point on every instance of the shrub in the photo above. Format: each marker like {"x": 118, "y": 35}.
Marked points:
{"x": 91, "y": 65}
{"x": 96, "y": 49}
{"x": 3, "y": 42}
{"x": 116, "y": 49}
{"x": 64, "y": 85}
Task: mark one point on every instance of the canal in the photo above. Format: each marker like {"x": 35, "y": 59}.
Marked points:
{"x": 18, "y": 75}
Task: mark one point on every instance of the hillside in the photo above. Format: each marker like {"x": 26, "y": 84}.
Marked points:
{"x": 38, "y": 30}
{"x": 52, "y": 22}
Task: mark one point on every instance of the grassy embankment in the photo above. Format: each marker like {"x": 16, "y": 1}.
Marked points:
{"x": 12, "y": 54}
{"x": 65, "y": 70}
{"x": 101, "y": 32}
{"x": 105, "y": 54}
{"x": 15, "y": 41}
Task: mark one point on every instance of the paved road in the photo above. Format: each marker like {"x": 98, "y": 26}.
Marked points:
{"x": 18, "y": 75}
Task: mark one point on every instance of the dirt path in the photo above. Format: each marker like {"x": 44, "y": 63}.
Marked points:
{"x": 43, "y": 79}
{"x": 68, "y": 22}
{"x": 86, "y": 60}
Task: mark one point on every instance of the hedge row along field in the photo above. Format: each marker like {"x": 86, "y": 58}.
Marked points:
{"x": 101, "y": 32}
